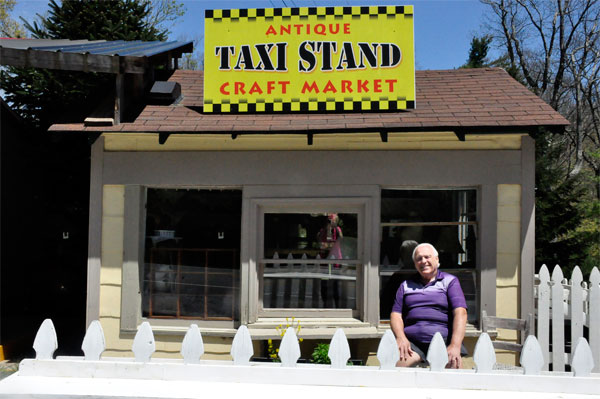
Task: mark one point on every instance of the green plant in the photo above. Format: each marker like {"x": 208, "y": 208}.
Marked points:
{"x": 320, "y": 354}
{"x": 281, "y": 329}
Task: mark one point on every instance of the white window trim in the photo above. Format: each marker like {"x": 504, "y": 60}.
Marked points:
{"x": 253, "y": 246}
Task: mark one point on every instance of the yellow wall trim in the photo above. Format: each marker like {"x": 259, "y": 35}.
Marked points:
{"x": 299, "y": 142}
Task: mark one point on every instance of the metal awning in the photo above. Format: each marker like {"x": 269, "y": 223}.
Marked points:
{"x": 115, "y": 56}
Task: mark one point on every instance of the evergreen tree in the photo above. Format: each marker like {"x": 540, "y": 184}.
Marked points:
{"x": 478, "y": 52}
{"x": 40, "y": 96}
{"x": 46, "y": 199}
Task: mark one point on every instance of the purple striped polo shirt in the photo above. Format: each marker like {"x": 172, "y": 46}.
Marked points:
{"x": 428, "y": 309}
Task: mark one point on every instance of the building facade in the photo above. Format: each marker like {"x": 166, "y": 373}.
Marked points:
{"x": 224, "y": 220}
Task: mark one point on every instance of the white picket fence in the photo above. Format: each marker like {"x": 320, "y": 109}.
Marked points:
{"x": 559, "y": 299}
{"x": 190, "y": 377}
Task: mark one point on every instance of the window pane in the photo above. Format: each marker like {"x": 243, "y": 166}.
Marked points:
{"x": 444, "y": 218}
{"x": 192, "y": 254}
{"x": 307, "y": 260}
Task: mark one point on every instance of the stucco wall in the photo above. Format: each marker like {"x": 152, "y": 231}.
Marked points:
{"x": 497, "y": 160}
{"x": 508, "y": 260}
{"x": 117, "y": 343}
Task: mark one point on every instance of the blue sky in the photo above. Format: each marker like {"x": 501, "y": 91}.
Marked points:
{"x": 443, "y": 29}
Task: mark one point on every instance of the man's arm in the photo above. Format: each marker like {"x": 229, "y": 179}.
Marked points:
{"x": 397, "y": 325}
{"x": 459, "y": 326}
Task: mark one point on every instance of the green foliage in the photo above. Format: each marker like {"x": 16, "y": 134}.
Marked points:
{"x": 567, "y": 223}
{"x": 585, "y": 235}
{"x": 478, "y": 52}
{"x": 97, "y": 20}
{"x": 320, "y": 354}
{"x": 42, "y": 96}
{"x": 8, "y": 26}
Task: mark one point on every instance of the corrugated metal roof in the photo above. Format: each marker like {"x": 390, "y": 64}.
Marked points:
{"x": 135, "y": 48}
{"x": 95, "y": 55}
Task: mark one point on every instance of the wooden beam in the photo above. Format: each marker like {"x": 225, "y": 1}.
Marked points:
{"x": 460, "y": 135}
{"x": 30, "y": 58}
{"x": 162, "y": 137}
{"x": 119, "y": 97}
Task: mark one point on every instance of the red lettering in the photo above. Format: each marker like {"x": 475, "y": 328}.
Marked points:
{"x": 298, "y": 27}
{"x": 271, "y": 31}
{"x": 239, "y": 87}
{"x": 223, "y": 89}
{"x": 284, "y": 84}
{"x": 255, "y": 89}
{"x": 337, "y": 28}
{"x": 391, "y": 83}
{"x": 270, "y": 86}
{"x": 310, "y": 88}
{"x": 346, "y": 86}
{"x": 347, "y": 29}
{"x": 377, "y": 85}
{"x": 283, "y": 29}
{"x": 329, "y": 87}
{"x": 362, "y": 86}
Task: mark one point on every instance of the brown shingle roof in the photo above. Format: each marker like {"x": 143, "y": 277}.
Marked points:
{"x": 482, "y": 100}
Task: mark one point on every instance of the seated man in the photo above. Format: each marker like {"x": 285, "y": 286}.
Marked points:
{"x": 430, "y": 302}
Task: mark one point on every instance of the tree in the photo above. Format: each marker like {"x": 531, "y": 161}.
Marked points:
{"x": 164, "y": 13}
{"x": 553, "y": 47}
{"x": 195, "y": 60}
{"x": 49, "y": 192}
{"x": 41, "y": 96}
{"x": 8, "y": 26}
{"x": 478, "y": 52}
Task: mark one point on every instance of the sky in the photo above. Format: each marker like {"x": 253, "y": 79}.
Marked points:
{"x": 443, "y": 28}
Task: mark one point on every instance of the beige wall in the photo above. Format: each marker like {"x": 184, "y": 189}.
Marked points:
{"x": 113, "y": 197}
{"x": 117, "y": 343}
{"x": 342, "y": 141}
{"x": 508, "y": 260}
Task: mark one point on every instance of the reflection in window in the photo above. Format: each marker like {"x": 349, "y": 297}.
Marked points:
{"x": 310, "y": 260}
{"x": 444, "y": 218}
{"x": 191, "y": 257}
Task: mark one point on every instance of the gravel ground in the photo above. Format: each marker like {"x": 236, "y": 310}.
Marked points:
{"x": 7, "y": 368}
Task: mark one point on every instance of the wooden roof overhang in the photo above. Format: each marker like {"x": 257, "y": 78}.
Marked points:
{"x": 90, "y": 56}
{"x": 135, "y": 59}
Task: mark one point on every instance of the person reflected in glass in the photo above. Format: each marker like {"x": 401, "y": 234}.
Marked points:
{"x": 330, "y": 240}
{"x": 432, "y": 301}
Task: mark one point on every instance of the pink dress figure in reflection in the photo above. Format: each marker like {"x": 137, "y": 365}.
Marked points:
{"x": 330, "y": 238}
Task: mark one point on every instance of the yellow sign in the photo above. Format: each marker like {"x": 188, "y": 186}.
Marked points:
{"x": 309, "y": 59}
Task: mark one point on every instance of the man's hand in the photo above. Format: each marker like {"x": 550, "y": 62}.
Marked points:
{"x": 404, "y": 348}
{"x": 454, "y": 359}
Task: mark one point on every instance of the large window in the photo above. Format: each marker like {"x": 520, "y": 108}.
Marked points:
{"x": 191, "y": 254}
{"x": 310, "y": 260}
{"x": 307, "y": 258}
{"x": 444, "y": 218}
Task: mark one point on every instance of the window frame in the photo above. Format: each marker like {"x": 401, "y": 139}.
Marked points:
{"x": 252, "y": 256}
{"x": 367, "y": 196}
{"x": 481, "y": 298}
{"x": 133, "y": 267}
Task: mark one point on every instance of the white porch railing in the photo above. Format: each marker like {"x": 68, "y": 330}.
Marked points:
{"x": 559, "y": 299}
{"x": 191, "y": 377}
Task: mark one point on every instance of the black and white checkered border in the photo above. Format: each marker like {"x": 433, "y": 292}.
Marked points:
{"x": 308, "y": 106}
{"x": 268, "y": 13}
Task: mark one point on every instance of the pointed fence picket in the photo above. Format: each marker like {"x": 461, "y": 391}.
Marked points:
{"x": 575, "y": 300}
{"x": 69, "y": 374}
